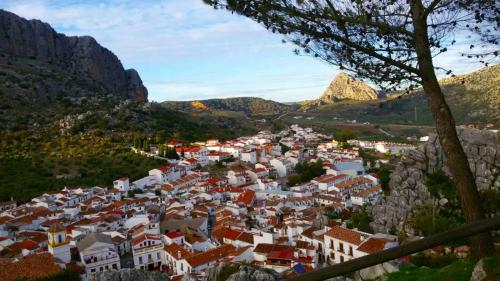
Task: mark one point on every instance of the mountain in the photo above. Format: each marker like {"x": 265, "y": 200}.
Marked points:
{"x": 250, "y": 106}
{"x": 343, "y": 87}
{"x": 473, "y": 98}
{"x": 31, "y": 50}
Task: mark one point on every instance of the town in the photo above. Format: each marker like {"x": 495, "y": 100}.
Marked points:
{"x": 219, "y": 202}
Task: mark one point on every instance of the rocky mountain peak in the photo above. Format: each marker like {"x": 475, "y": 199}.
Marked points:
{"x": 80, "y": 56}
{"x": 345, "y": 87}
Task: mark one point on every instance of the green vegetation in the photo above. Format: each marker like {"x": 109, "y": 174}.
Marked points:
{"x": 360, "y": 219}
{"x": 446, "y": 213}
{"x": 284, "y": 148}
{"x": 457, "y": 271}
{"x": 227, "y": 271}
{"x": 248, "y": 105}
{"x": 445, "y": 269}
{"x": 385, "y": 177}
{"x": 64, "y": 275}
{"x": 344, "y": 135}
{"x": 28, "y": 177}
{"x": 31, "y": 165}
{"x": 306, "y": 171}
{"x": 133, "y": 192}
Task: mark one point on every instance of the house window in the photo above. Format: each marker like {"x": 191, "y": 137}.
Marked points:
{"x": 331, "y": 244}
{"x": 158, "y": 255}
{"x": 115, "y": 266}
{"x": 341, "y": 258}
{"x": 59, "y": 238}
{"x": 350, "y": 250}
{"x": 140, "y": 260}
{"x": 341, "y": 247}
{"x": 182, "y": 267}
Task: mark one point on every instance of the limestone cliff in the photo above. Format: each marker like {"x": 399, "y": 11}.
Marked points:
{"x": 407, "y": 188}
{"x": 345, "y": 87}
{"x": 28, "y": 44}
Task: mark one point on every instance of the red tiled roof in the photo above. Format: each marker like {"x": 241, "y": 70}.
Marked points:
{"x": 347, "y": 235}
{"x": 177, "y": 251}
{"x": 211, "y": 255}
{"x": 280, "y": 255}
{"x": 31, "y": 267}
{"x": 246, "y": 197}
{"x": 373, "y": 245}
{"x": 28, "y": 245}
{"x": 173, "y": 235}
{"x": 145, "y": 237}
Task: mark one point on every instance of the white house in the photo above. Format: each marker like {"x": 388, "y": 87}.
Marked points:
{"x": 147, "y": 250}
{"x": 122, "y": 184}
{"x": 98, "y": 253}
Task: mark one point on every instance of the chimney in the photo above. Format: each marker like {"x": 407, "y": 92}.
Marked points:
{"x": 179, "y": 255}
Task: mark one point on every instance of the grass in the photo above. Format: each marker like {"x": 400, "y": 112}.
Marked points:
{"x": 459, "y": 270}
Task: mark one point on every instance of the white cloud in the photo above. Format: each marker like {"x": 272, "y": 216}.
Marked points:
{"x": 143, "y": 31}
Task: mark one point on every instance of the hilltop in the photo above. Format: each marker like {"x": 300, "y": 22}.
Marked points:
{"x": 248, "y": 105}
{"x": 474, "y": 98}
{"x": 343, "y": 87}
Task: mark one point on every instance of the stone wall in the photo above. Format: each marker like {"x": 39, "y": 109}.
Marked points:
{"x": 407, "y": 181}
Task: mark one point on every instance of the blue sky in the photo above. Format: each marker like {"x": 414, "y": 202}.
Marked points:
{"x": 185, "y": 50}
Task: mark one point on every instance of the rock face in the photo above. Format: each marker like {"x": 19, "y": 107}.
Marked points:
{"x": 244, "y": 273}
{"x": 407, "y": 181}
{"x": 344, "y": 87}
{"x": 129, "y": 275}
{"x": 81, "y": 56}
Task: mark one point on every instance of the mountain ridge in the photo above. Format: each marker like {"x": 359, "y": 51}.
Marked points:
{"x": 35, "y": 43}
{"x": 248, "y": 105}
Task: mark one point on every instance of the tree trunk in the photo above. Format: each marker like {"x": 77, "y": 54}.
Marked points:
{"x": 482, "y": 244}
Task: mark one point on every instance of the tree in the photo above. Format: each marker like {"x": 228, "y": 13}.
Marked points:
{"x": 392, "y": 43}
{"x": 344, "y": 135}
{"x": 161, "y": 150}
{"x": 146, "y": 147}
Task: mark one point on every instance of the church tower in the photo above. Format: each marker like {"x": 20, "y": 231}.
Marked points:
{"x": 58, "y": 244}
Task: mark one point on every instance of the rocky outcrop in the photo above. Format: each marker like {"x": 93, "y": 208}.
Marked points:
{"x": 345, "y": 87}
{"x": 479, "y": 274}
{"x": 81, "y": 56}
{"x": 407, "y": 188}
{"x": 129, "y": 275}
{"x": 244, "y": 273}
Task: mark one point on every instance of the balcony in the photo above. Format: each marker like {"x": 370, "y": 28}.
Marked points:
{"x": 104, "y": 259}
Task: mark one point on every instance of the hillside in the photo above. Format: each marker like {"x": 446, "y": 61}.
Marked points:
{"x": 342, "y": 88}
{"x": 250, "y": 106}
{"x": 69, "y": 112}
{"x": 473, "y": 97}
{"x": 32, "y": 49}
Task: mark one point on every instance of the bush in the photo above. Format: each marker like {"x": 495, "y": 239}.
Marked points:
{"x": 306, "y": 172}
{"x": 361, "y": 220}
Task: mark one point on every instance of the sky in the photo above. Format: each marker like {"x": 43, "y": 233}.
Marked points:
{"x": 186, "y": 50}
